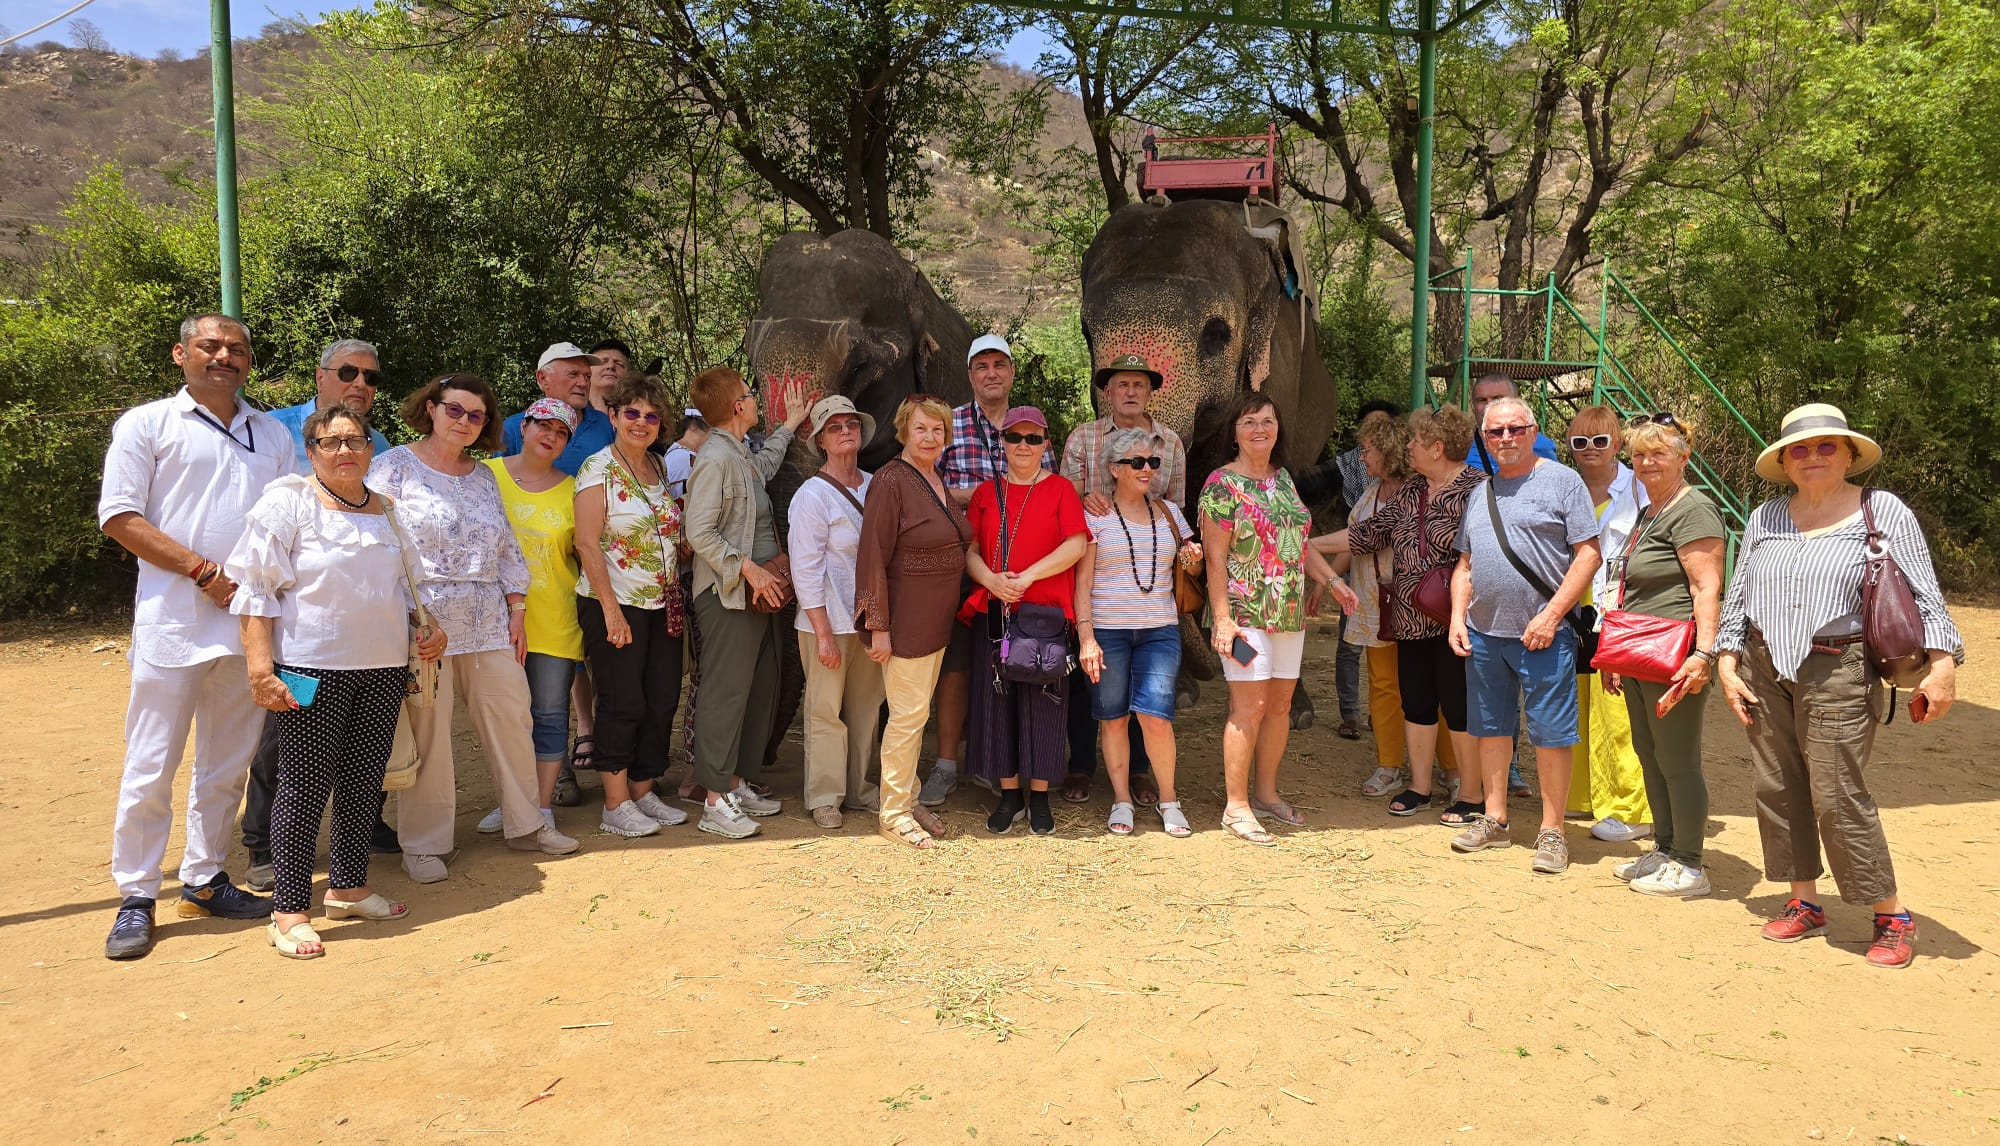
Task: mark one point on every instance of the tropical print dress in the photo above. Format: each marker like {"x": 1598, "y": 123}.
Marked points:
{"x": 1267, "y": 526}
{"x": 642, "y": 524}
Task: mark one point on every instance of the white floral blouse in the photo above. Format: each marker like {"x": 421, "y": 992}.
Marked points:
{"x": 642, "y": 524}
{"x": 470, "y": 558}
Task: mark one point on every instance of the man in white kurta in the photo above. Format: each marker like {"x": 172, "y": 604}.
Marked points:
{"x": 179, "y": 477}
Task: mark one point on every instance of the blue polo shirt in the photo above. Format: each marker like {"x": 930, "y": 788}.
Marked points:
{"x": 593, "y": 433}
{"x": 1483, "y": 458}
{"x": 293, "y": 418}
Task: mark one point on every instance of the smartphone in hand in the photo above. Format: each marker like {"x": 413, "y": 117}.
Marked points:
{"x": 303, "y": 688}
{"x": 1242, "y": 651}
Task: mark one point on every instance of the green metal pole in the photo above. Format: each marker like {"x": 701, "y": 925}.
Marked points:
{"x": 1420, "y": 227}
{"x": 222, "y": 77}
{"x": 1465, "y": 335}
{"x": 1603, "y": 324}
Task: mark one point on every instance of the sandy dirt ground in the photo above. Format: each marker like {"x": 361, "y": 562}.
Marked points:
{"x": 1357, "y": 982}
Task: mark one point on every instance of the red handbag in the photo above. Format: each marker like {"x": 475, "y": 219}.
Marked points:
{"x": 1432, "y": 596}
{"x": 1640, "y": 645}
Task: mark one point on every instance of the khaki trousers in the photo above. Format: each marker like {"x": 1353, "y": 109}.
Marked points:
{"x": 843, "y": 710}
{"x": 495, "y": 689}
{"x": 908, "y": 682}
{"x": 1808, "y": 746}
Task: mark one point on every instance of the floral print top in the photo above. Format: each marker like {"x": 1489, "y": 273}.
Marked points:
{"x": 642, "y": 524}
{"x": 469, "y": 556}
{"x": 1267, "y": 526}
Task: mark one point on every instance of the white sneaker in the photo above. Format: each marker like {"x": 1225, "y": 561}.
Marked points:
{"x": 750, "y": 803}
{"x": 1613, "y": 830}
{"x": 725, "y": 819}
{"x": 1645, "y": 865}
{"x": 1674, "y": 880}
{"x": 493, "y": 822}
{"x": 424, "y": 869}
{"x": 659, "y": 812}
{"x": 627, "y": 820}
{"x": 545, "y": 840}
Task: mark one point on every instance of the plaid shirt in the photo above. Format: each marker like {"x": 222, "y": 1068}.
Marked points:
{"x": 1084, "y": 462}
{"x": 974, "y": 454}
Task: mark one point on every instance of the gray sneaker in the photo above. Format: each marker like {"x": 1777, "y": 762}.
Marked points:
{"x": 1483, "y": 832}
{"x": 941, "y": 783}
{"x": 659, "y": 811}
{"x": 724, "y": 818}
{"x": 627, "y": 820}
{"x": 1551, "y": 853}
{"x": 750, "y": 803}
{"x": 1645, "y": 865}
{"x": 545, "y": 840}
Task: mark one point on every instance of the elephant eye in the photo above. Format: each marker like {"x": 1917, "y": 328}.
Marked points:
{"x": 1214, "y": 337}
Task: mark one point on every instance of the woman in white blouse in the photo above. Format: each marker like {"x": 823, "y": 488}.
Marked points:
{"x": 325, "y": 608}
{"x": 844, "y": 690}
{"x": 474, "y": 582}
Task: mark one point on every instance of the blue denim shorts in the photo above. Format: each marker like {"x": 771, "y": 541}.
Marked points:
{"x": 1139, "y": 670}
{"x": 548, "y": 701}
{"x": 1503, "y": 669}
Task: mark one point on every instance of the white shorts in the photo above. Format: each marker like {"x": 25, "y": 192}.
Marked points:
{"x": 1278, "y": 656}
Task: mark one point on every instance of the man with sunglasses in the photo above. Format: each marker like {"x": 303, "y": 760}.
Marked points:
{"x": 1487, "y": 390}
{"x": 563, "y": 373}
{"x": 350, "y": 371}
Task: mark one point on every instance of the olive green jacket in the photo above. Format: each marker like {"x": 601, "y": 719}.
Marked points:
{"x": 720, "y": 518}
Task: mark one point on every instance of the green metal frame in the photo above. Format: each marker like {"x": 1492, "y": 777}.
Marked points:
{"x": 222, "y": 80}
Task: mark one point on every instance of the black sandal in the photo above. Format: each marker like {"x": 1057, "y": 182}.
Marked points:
{"x": 1465, "y": 810}
{"x": 582, "y": 753}
{"x": 1409, "y": 803}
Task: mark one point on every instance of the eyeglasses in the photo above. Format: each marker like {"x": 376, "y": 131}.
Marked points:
{"x": 1660, "y": 419}
{"x": 1509, "y": 431}
{"x": 1150, "y": 462}
{"x": 350, "y": 372}
{"x": 1803, "y": 450}
{"x": 1257, "y": 424}
{"x": 1590, "y": 442}
{"x": 330, "y": 444}
{"x": 458, "y": 413}
{"x": 1014, "y": 439}
{"x": 841, "y": 424}
{"x": 634, "y": 414}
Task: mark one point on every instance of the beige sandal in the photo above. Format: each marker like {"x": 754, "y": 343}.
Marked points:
{"x": 905, "y": 829}
{"x": 377, "y": 906}
{"x": 1245, "y": 826}
{"x": 289, "y": 942}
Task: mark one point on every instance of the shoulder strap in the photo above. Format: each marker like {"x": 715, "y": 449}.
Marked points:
{"x": 1529, "y": 575}
{"x": 409, "y": 554}
{"x": 1868, "y": 517}
{"x": 844, "y": 491}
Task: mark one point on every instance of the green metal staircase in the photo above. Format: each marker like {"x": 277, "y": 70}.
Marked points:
{"x": 1625, "y": 359}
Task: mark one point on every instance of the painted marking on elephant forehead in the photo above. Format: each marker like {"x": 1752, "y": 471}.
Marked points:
{"x": 775, "y": 384}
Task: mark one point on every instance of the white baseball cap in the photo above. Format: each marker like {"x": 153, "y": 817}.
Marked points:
{"x": 562, "y": 350}
{"x": 986, "y": 342}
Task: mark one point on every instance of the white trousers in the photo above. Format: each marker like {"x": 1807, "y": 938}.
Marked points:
{"x": 495, "y": 689}
{"x": 213, "y": 696}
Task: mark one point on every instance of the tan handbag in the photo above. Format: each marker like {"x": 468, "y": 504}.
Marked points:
{"x": 402, "y": 771}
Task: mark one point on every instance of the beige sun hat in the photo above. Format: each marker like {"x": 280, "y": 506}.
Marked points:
{"x": 1815, "y": 420}
{"x": 824, "y": 411}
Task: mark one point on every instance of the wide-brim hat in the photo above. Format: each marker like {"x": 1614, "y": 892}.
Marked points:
{"x": 1126, "y": 363}
{"x": 828, "y": 408}
{"x": 1815, "y": 420}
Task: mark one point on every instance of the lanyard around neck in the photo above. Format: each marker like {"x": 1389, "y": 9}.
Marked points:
{"x": 249, "y": 428}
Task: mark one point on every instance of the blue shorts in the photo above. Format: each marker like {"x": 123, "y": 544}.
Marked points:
{"x": 549, "y": 679}
{"x": 1503, "y": 668}
{"x": 1139, "y": 670}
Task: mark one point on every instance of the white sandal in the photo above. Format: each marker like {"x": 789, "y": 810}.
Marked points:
{"x": 1173, "y": 820}
{"x": 1120, "y": 822}
{"x": 289, "y": 942}
{"x": 376, "y": 906}
{"x": 1383, "y": 782}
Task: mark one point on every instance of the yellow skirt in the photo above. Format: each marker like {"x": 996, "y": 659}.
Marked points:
{"x": 1606, "y": 779}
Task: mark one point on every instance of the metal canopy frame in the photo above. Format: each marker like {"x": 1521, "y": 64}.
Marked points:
{"x": 1424, "y": 21}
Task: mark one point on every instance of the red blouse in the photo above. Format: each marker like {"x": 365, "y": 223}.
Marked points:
{"x": 1040, "y": 518}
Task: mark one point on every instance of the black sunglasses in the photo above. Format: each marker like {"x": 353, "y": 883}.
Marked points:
{"x": 1014, "y": 439}
{"x": 350, "y": 372}
{"x": 1659, "y": 419}
{"x": 1150, "y": 462}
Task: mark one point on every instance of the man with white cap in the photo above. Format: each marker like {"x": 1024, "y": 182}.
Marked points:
{"x": 971, "y": 458}
{"x": 563, "y": 372}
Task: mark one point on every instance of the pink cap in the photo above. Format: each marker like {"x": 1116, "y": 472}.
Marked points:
{"x": 1019, "y": 414}
{"x": 551, "y": 410}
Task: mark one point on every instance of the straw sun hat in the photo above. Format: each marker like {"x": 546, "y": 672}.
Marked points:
{"x": 1815, "y": 420}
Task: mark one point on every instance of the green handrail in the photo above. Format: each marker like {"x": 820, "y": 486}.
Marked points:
{"x": 1675, "y": 345}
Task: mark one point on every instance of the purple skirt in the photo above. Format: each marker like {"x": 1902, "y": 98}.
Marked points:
{"x": 1021, "y": 731}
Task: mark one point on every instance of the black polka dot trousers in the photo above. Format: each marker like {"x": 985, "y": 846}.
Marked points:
{"x": 338, "y": 747}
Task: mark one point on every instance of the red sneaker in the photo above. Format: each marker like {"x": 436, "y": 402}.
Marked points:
{"x": 1895, "y": 942}
{"x": 1798, "y": 922}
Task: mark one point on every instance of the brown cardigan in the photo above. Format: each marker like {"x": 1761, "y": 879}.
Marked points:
{"x": 911, "y": 557}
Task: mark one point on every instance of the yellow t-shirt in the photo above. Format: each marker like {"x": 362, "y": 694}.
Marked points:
{"x": 545, "y": 525}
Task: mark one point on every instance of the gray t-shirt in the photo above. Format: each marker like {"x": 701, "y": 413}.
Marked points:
{"x": 1545, "y": 511}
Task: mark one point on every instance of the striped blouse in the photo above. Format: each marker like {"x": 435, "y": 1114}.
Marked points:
{"x": 1417, "y": 541}
{"x": 1792, "y": 587}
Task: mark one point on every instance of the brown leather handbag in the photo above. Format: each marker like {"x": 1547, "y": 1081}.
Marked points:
{"x": 781, "y": 568}
{"x": 1892, "y": 630}
{"x": 1190, "y": 590}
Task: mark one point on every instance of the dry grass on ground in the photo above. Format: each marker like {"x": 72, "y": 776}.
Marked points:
{"x": 1356, "y": 982}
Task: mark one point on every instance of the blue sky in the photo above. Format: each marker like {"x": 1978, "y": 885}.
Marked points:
{"x": 144, "y": 27}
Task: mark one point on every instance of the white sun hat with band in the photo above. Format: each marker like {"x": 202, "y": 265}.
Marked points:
{"x": 1815, "y": 420}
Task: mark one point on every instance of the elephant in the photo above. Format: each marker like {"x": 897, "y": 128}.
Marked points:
{"x": 1197, "y": 288}
{"x": 850, "y": 315}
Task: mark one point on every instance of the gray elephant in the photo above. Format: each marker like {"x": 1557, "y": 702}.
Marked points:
{"x": 851, "y": 316}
